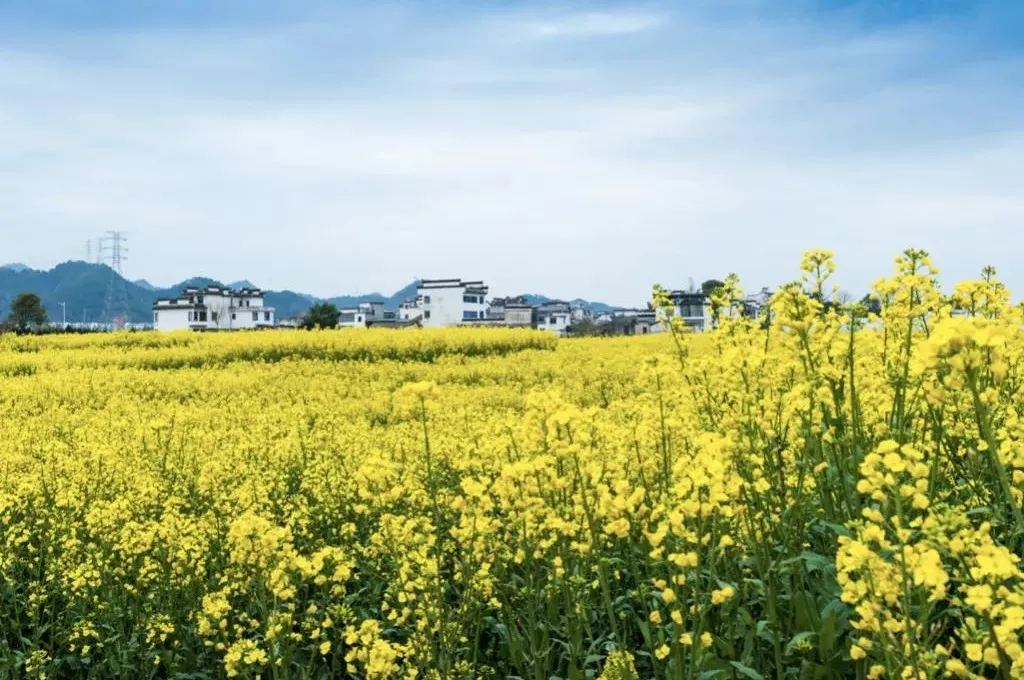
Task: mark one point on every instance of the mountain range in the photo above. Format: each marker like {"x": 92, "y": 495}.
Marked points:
{"x": 83, "y": 287}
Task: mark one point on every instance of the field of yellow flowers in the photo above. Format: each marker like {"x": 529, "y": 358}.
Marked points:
{"x": 832, "y": 494}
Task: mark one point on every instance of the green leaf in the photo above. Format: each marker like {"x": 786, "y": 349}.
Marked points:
{"x": 827, "y": 635}
{"x": 763, "y": 632}
{"x": 805, "y": 636}
{"x": 710, "y": 675}
{"x": 746, "y": 671}
{"x": 806, "y": 611}
{"x": 816, "y": 562}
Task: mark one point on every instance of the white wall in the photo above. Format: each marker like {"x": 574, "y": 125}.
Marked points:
{"x": 446, "y": 306}
{"x": 358, "y": 318}
{"x": 170, "y": 319}
{"x": 561, "y": 321}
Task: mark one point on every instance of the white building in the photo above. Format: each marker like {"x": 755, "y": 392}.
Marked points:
{"x": 409, "y": 310}
{"x": 362, "y": 315}
{"x": 756, "y": 305}
{"x": 449, "y": 302}
{"x": 554, "y": 316}
{"x": 213, "y": 309}
{"x": 694, "y": 308}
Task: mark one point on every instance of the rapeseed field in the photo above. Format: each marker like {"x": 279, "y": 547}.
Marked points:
{"x": 828, "y": 494}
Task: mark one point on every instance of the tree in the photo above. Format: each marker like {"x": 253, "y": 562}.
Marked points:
{"x": 27, "y": 312}
{"x": 321, "y": 315}
{"x": 586, "y": 328}
{"x": 872, "y": 303}
{"x": 710, "y": 286}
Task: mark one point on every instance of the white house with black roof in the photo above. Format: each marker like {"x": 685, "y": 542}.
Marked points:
{"x": 213, "y": 308}
{"x": 449, "y": 302}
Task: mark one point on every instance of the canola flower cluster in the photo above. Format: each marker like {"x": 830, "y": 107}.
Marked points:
{"x": 824, "y": 493}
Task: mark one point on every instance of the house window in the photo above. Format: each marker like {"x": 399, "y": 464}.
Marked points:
{"x": 426, "y": 299}
{"x": 426, "y": 314}
{"x": 266, "y": 316}
{"x": 552, "y": 321}
{"x": 156, "y": 317}
{"x": 472, "y": 299}
{"x": 255, "y": 316}
{"x": 215, "y": 315}
{"x": 470, "y": 315}
{"x": 233, "y": 317}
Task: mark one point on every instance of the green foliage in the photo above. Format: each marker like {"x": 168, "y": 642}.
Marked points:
{"x": 710, "y": 286}
{"x": 27, "y": 312}
{"x": 321, "y": 315}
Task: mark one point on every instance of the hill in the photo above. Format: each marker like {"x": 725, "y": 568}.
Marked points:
{"x": 596, "y": 307}
{"x": 82, "y": 287}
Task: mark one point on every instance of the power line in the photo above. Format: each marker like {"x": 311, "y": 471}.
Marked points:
{"x": 113, "y": 253}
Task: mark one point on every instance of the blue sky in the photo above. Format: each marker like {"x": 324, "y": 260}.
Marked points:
{"x": 575, "y": 149}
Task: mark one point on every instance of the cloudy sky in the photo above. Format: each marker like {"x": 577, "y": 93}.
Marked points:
{"x": 568, "y": 148}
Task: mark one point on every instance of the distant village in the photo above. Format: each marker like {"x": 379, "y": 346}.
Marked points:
{"x": 440, "y": 303}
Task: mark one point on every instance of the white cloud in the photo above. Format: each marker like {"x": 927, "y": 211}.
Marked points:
{"x": 311, "y": 157}
{"x": 594, "y": 24}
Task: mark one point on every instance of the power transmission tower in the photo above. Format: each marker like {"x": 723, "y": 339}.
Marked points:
{"x": 113, "y": 253}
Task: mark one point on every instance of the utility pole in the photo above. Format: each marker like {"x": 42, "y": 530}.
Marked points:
{"x": 114, "y": 253}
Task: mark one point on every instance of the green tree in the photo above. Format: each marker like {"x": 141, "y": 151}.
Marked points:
{"x": 710, "y": 286}
{"x": 872, "y": 303}
{"x": 27, "y": 312}
{"x": 321, "y": 315}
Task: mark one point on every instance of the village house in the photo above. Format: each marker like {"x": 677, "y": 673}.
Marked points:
{"x": 755, "y": 306}
{"x": 362, "y": 315}
{"x": 554, "y": 316}
{"x": 450, "y": 302}
{"x": 511, "y": 311}
{"x": 213, "y": 308}
{"x": 694, "y": 308}
{"x": 409, "y": 310}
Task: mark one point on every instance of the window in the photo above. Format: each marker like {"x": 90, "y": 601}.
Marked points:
{"x": 190, "y": 316}
{"x": 233, "y": 316}
{"x": 255, "y": 316}
{"x": 347, "y": 317}
{"x": 552, "y": 321}
{"x": 470, "y": 315}
{"x": 156, "y": 317}
{"x": 215, "y": 316}
{"x": 472, "y": 299}
{"x": 426, "y": 314}
{"x": 266, "y": 316}
{"x": 426, "y": 299}
{"x": 359, "y": 319}
{"x": 200, "y": 299}
{"x": 201, "y": 316}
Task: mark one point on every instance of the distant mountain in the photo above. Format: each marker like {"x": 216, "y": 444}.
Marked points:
{"x": 83, "y": 286}
{"x": 16, "y": 267}
{"x": 598, "y": 307}
{"x": 244, "y": 283}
